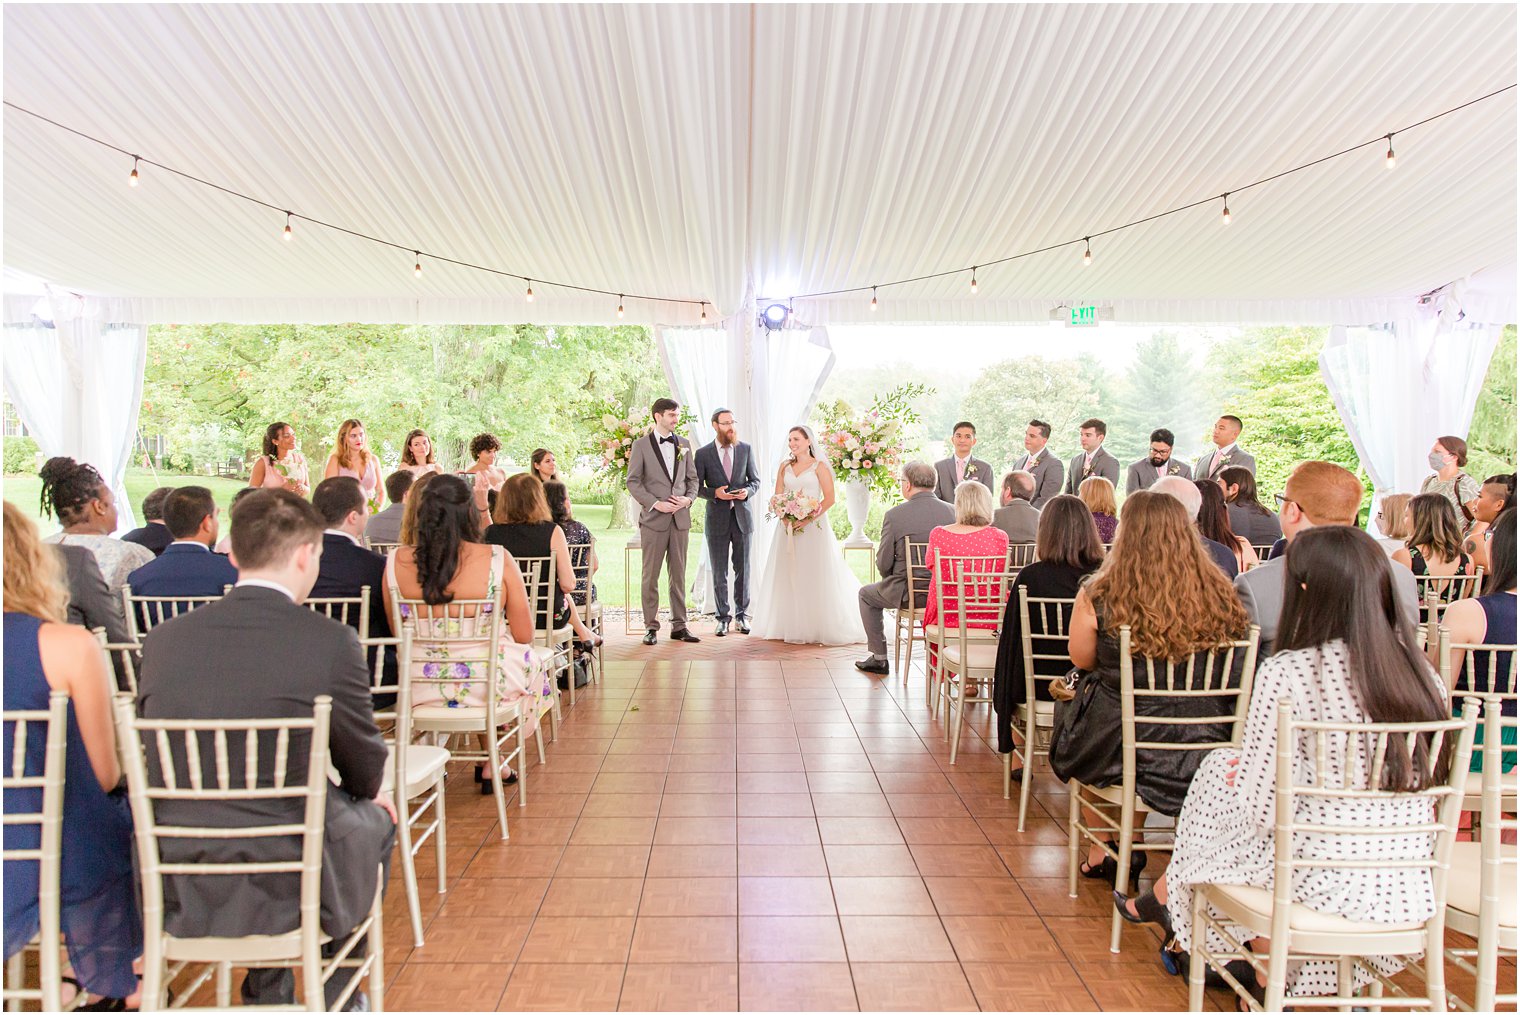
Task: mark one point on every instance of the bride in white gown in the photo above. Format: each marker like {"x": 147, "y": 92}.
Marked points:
{"x": 807, "y": 594}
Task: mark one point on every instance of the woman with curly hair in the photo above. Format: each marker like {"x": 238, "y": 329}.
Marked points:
{"x": 488, "y": 478}
{"x": 84, "y": 505}
{"x": 352, "y": 457}
{"x": 1157, "y": 549}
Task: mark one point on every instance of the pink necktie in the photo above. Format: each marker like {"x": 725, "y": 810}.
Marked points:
{"x": 728, "y": 463}
{"x": 960, "y": 470}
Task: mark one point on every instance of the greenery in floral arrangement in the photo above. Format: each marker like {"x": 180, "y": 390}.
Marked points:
{"x": 613, "y": 436}
{"x": 868, "y": 447}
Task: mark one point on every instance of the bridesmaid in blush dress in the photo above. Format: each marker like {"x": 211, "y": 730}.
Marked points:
{"x": 351, "y": 457}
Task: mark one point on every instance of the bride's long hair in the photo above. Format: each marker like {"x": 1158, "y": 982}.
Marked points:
{"x": 808, "y": 436}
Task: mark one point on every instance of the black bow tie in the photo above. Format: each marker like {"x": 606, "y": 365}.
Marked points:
{"x": 668, "y": 440}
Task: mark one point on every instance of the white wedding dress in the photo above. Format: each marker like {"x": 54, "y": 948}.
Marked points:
{"x": 807, "y": 594}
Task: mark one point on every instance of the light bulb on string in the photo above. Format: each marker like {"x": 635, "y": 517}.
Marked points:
{"x": 704, "y": 313}
{"x": 973, "y": 281}
{"x": 620, "y": 305}
{"x": 1225, "y": 218}
{"x": 1389, "y": 161}
{"x": 288, "y": 234}
{"x": 1087, "y": 254}
{"x": 873, "y": 299}
{"x": 417, "y": 268}
{"x": 529, "y": 294}
{"x": 132, "y": 180}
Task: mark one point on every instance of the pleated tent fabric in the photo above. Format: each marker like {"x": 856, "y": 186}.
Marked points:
{"x": 698, "y": 151}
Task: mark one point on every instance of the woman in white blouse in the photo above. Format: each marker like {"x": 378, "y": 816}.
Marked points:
{"x": 1339, "y": 593}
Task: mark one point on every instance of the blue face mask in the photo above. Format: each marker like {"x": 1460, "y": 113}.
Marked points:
{"x": 1437, "y": 460}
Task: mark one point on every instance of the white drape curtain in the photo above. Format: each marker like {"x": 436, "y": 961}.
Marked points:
{"x": 1401, "y": 385}
{"x": 76, "y": 381}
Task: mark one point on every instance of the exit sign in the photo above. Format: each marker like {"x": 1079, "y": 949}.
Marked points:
{"x": 1083, "y": 317}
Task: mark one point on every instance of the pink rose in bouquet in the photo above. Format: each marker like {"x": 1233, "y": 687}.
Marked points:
{"x": 795, "y": 509}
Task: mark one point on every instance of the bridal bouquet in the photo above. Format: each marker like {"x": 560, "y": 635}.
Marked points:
{"x": 612, "y": 442}
{"x": 794, "y": 508}
{"x": 869, "y": 448}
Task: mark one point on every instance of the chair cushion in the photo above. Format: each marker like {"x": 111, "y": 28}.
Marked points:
{"x": 932, "y": 631}
{"x": 1464, "y": 884}
{"x": 1257, "y": 902}
{"x": 980, "y": 655}
{"x": 423, "y": 766}
{"x": 1044, "y": 713}
{"x": 1113, "y": 795}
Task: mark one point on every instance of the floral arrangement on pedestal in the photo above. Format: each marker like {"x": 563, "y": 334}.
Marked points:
{"x": 612, "y": 442}
{"x": 868, "y": 447}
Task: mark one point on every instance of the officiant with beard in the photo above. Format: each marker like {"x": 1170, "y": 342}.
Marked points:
{"x": 726, "y": 471}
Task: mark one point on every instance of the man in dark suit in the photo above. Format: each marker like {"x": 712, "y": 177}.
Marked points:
{"x": 188, "y": 567}
{"x": 1092, "y": 460}
{"x": 153, "y": 533}
{"x": 920, "y": 513}
{"x": 259, "y": 654}
{"x": 1018, "y": 517}
{"x": 1158, "y": 464}
{"x": 385, "y": 526}
{"x": 959, "y": 467}
{"x": 728, "y": 478}
{"x": 1040, "y": 462}
{"x": 1192, "y": 501}
{"x": 347, "y": 566}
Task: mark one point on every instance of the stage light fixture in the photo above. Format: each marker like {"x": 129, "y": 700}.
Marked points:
{"x": 774, "y": 316}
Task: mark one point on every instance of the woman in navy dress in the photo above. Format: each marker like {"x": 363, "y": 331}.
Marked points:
{"x": 100, "y": 921}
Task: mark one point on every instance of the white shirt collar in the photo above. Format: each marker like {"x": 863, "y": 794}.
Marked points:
{"x": 1226, "y": 449}
{"x": 191, "y": 542}
{"x": 260, "y": 583}
{"x": 958, "y": 458}
{"x": 340, "y": 532}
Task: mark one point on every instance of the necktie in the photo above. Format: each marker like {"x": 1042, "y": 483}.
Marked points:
{"x": 728, "y": 463}
{"x": 1214, "y": 466}
{"x": 960, "y": 470}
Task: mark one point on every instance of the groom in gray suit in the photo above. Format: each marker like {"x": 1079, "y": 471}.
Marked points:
{"x": 726, "y": 471}
{"x": 959, "y": 467}
{"x": 662, "y": 478}
{"x": 919, "y": 514}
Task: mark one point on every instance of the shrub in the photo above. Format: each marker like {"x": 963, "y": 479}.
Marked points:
{"x": 20, "y": 456}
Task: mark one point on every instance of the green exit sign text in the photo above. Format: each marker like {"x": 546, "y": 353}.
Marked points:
{"x": 1084, "y": 317}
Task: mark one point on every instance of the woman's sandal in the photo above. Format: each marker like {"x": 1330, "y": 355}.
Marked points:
{"x": 486, "y": 789}
{"x": 1109, "y": 867}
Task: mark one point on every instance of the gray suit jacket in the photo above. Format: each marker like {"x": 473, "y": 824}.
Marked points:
{"x": 1048, "y": 474}
{"x": 944, "y": 471}
{"x": 1239, "y": 457}
{"x": 1020, "y": 519}
{"x": 913, "y": 519}
{"x": 1142, "y": 474}
{"x": 724, "y": 515}
{"x": 1261, "y": 593}
{"x": 1103, "y": 464}
{"x": 649, "y": 483}
{"x": 91, "y": 604}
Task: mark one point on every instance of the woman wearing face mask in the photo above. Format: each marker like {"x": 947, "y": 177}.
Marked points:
{"x": 1447, "y": 456}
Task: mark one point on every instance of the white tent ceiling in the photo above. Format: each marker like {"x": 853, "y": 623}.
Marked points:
{"x": 694, "y": 151}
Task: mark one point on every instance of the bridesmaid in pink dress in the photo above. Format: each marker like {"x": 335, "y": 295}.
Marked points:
{"x": 351, "y": 457}
{"x": 972, "y": 535}
{"x": 281, "y": 466}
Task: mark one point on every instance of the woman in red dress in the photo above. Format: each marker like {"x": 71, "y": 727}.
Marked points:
{"x": 972, "y": 535}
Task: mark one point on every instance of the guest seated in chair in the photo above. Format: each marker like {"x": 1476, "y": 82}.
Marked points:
{"x": 1495, "y": 496}
{"x": 972, "y": 535}
{"x": 153, "y": 533}
{"x": 1434, "y": 546}
{"x": 347, "y": 566}
{"x": 385, "y": 526}
{"x": 100, "y": 920}
{"x": 1186, "y": 492}
{"x": 1098, "y": 494}
{"x": 189, "y": 567}
{"x": 258, "y": 653}
{"x": 1248, "y": 516}
{"x": 521, "y": 522}
{"x": 1346, "y": 654}
{"x": 1393, "y": 522}
{"x": 1068, "y": 550}
{"x": 557, "y": 496}
{"x": 1488, "y": 620}
{"x": 1018, "y": 516}
{"x": 920, "y": 513}
{"x": 1214, "y": 524}
{"x": 84, "y": 505}
{"x": 224, "y": 545}
{"x": 1157, "y": 548}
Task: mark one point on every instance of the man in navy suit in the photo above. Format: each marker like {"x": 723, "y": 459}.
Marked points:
{"x": 153, "y": 533}
{"x": 187, "y": 567}
{"x": 726, "y": 470}
{"x": 347, "y": 565}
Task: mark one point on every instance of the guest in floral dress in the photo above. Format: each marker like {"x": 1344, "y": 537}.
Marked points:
{"x": 84, "y": 505}
{"x": 972, "y": 535}
{"x": 281, "y": 466}
{"x": 447, "y": 561}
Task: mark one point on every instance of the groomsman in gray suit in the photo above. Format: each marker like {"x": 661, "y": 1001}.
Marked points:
{"x": 1041, "y": 462}
{"x": 959, "y": 467}
{"x": 662, "y": 478}
{"x": 920, "y": 514}
{"x": 1227, "y": 450}
{"x": 1092, "y": 460}
{"x": 1159, "y": 463}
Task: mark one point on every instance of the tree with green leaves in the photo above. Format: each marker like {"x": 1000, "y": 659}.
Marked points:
{"x": 1161, "y": 388}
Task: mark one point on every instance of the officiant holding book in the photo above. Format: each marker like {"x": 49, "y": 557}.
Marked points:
{"x": 729, "y": 481}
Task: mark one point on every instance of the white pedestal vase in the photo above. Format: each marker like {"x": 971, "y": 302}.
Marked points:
{"x": 857, "y": 505}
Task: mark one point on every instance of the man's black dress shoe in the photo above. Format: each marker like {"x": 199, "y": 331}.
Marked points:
{"x": 649, "y": 637}
{"x": 683, "y": 635}
{"x": 743, "y": 625}
{"x": 873, "y": 665}
{"x": 722, "y": 628}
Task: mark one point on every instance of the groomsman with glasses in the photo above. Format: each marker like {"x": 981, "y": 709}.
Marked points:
{"x": 1092, "y": 460}
{"x": 1041, "y": 462}
{"x": 1158, "y": 463}
{"x": 1227, "y": 450}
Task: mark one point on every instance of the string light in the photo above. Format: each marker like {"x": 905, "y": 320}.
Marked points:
{"x": 620, "y": 304}
{"x": 1225, "y": 218}
{"x": 529, "y": 295}
{"x": 973, "y": 280}
{"x": 417, "y": 268}
{"x": 1389, "y": 160}
{"x": 132, "y": 180}
{"x": 288, "y": 234}
{"x": 1087, "y": 254}
{"x": 873, "y": 299}
{"x": 704, "y": 313}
